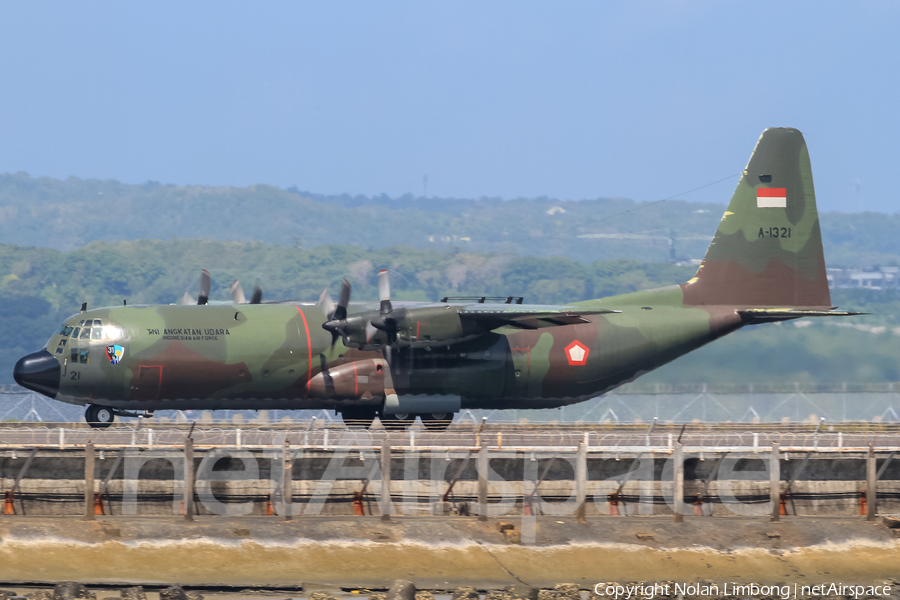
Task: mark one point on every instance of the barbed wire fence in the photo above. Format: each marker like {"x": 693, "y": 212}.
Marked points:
{"x": 783, "y": 403}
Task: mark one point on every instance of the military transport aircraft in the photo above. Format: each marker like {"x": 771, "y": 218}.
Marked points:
{"x": 398, "y": 361}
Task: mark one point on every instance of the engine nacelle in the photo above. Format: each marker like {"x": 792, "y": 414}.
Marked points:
{"x": 434, "y": 326}
{"x": 361, "y": 380}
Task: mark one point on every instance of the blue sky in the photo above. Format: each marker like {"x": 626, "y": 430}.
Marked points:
{"x": 577, "y": 100}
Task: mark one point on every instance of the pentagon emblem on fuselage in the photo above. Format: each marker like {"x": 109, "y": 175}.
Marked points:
{"x": 401, "y": 360}
{"x": 577, "y": 353}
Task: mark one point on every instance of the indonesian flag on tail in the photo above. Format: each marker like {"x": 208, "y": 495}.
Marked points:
{"x": 771, "y": 198}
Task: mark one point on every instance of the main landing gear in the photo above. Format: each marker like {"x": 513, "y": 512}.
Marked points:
{"x": 103, "y": 416}
{"x": 99, "y": 416}
{"x": 364, "y": 417}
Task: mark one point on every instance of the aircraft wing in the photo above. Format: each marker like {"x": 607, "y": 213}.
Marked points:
{"x": 528, "y": 316}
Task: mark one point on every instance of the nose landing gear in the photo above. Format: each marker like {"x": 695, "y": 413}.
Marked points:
{"x": 99, "y": 416}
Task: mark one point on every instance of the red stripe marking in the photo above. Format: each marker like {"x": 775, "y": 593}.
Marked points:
{"x": 356, "y": 378}
{"x": 771, "y": 192}
{"x": 528, "y": 350}
{"x": 308, "y": 346}
{"x": 417, "y": 331}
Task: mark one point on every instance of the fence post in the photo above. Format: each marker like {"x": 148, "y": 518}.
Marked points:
{"x": 89, "y": 481}
{"x": 581, "y": 481}
{"x": 775, "y": 482}
{"x": 385, "y": 479}
{"x": 679, "y": 482}
{"x": 188, "y": 479}
{"x": 288, "y": 479}
{"x": 482, "y": 483}
{"x": 871, "y": 482}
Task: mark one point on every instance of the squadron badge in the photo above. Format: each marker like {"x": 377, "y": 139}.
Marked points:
{"x": 114, "y": 353}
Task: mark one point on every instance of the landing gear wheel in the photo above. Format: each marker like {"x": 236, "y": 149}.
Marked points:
{"x": 99, "y": 416}
{"x": 398, "y": 421}
{"x": 436, "y": 421}
{"x": 358, "y": 417}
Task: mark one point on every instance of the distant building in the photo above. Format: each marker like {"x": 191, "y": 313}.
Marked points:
{"x": 874, "y": 278}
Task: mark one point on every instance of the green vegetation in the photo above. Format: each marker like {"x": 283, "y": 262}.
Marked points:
{"x": 66, "y": 215}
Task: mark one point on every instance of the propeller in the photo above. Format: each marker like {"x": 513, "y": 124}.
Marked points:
{"x": 205, "y": 285}
{"x": 187, "y": 299}
{"x": 237, "y": 294}
{"x": 336, "y": 315}
{"x": 361, "y": 330}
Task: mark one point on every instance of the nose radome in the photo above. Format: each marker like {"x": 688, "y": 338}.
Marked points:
{"x": 39, "y": 372}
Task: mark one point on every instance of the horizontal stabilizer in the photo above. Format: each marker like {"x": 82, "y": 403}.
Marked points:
{"x": 768, "y": 315}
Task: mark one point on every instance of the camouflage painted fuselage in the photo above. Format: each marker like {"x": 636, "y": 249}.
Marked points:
{"x": 765, "y": 264}
{"x": 264, "y": 356}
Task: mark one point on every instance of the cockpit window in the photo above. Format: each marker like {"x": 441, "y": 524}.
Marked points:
{"x": 93, "y": 330}
{"x": 112, "y": 333}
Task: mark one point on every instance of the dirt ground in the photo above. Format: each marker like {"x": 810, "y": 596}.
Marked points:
{"x": 443, "y": 552}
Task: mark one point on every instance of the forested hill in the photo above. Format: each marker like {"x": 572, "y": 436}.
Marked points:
{"x": 67, "y": 214}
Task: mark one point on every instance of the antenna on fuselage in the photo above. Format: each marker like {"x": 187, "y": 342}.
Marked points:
{"x": 84, "y": 307}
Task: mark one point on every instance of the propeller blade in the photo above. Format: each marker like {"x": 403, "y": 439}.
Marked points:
{"x": 385, "y": 320}
{"x": 187, "y": 299}
{"x": 256, "y": 298}
{"x": 327, "y": 305}
{"x": 237, "y": 293}
{"x": 384, "y": 291}
{"x": 205, "y": 285}
{"x": 340, "y": 313}
{"x": 371, "y": 331}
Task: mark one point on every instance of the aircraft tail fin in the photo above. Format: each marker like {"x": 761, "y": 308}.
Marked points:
{"x": 767, "y": 250}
